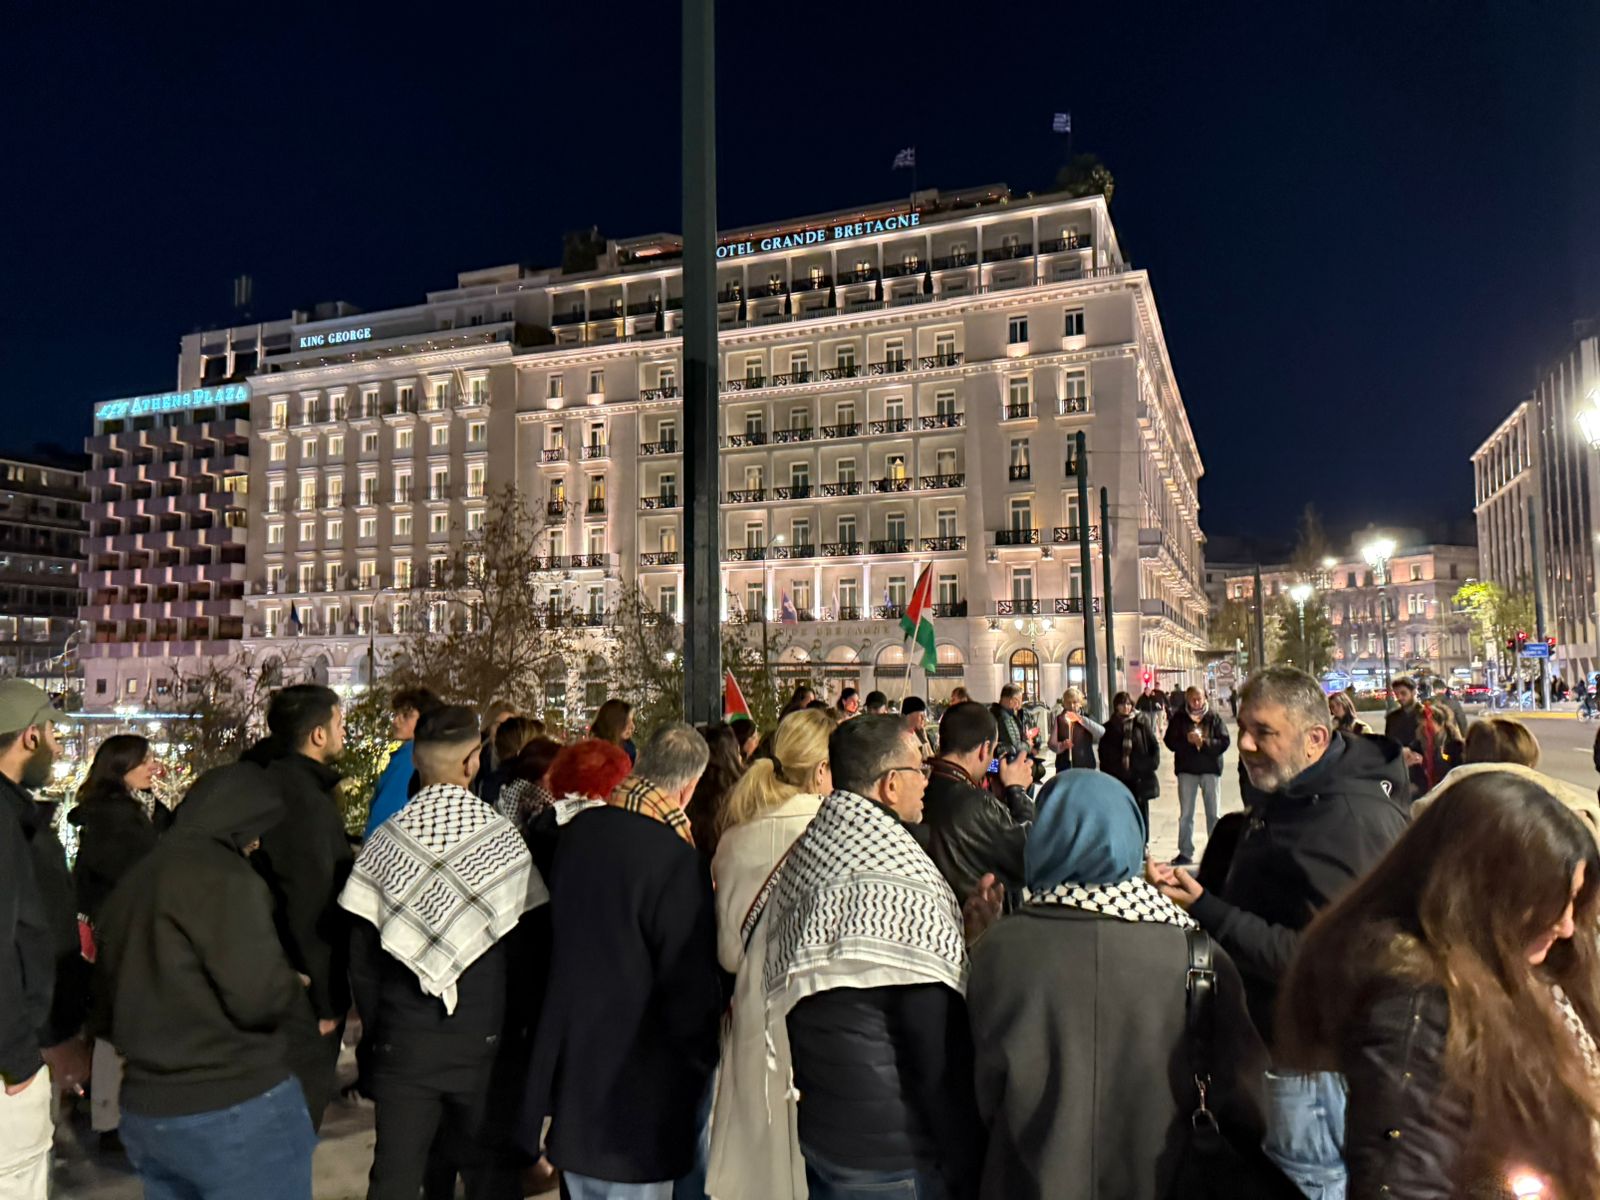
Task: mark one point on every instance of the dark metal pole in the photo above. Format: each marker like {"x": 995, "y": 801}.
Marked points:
{"x": 1538, "y": 599}
{"x": 1105, "y": 571}
{"x": 702, "y": 569}
{"x": 1091, "y": 664}
{"x": 1261, "y": 627}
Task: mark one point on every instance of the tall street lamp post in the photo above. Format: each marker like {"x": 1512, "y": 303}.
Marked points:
{"x": 1300, "y": 593}
{"x": 1378, "y": 552}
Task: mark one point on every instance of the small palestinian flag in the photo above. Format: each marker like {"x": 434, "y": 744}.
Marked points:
{"x": 733, "y": 704}
{"x": 917, "y": 623}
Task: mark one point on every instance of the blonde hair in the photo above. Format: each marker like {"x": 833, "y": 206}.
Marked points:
{"x": 798, "y": 748}
{"x": 1071, "y": 698}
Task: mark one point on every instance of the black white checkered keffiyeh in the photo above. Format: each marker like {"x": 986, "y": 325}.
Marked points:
{"x": 443, "y": 880}
{"x": 857, "y": 903}
{"x": 1130, "y": 900}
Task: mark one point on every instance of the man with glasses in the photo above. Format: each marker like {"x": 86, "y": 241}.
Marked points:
{"x": 866, "y": 967}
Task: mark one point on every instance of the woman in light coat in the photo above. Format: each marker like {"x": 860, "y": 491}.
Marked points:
{"x": 755, "y": 1146}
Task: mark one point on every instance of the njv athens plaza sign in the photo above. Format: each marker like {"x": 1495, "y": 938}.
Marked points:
{"x": 735, "y": 248}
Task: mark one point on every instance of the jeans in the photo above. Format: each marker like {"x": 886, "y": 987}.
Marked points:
{"x": 259, "y": 1149}
{"x": 829, "y": 1181}
{"x": 1305, "y": 1131}
{"x": 1208, "y": 786}
{"x": 693, "y": 1185}
{"x": 26, "y": 1133}
{"x": 581, "y": 1187}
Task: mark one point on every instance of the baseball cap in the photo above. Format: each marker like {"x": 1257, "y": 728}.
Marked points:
{"x": 22, "y": 704}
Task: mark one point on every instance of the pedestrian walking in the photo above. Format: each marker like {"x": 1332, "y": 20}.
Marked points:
{"x": 195, "y": 990}
{"x": 118, "y": 820}
{"x": 1437, "y": 748}
{"x": 627, "y": 1041}
{"x": 445, "y": 987}
{"x": 1198, "y": 739}
{"x": 1402, "y": 721}
{"x": 967, "y": 829}
{"x": 397, "y": 781}
{"x": 305, "y": 859}
{"x": 1455, "y": 988}
{"x": 1326, "y": 807}
{"x": 1130, "y": 752}
{"x": 1343, "y": 710}
{"x": 755, "y": 1147}
{"x": 1080, "y": 1007}
{"x": 866, "y": 966}
{"x": 43, "y": 986}
{"x": 1075, "y": 733}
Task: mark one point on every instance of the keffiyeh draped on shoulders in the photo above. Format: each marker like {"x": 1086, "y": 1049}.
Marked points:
{"x": 858, "y": 903}
{"x": 443, "y": 880}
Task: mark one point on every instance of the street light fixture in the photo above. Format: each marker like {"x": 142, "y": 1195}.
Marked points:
{"x": 1378, "y": 552}
{"x": 1300, "y": 593}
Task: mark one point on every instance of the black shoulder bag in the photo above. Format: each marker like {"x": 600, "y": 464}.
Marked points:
{"x": 1212, "y": 1167}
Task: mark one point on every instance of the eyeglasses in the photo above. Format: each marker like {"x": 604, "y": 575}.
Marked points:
{"x": 921, "y": 769}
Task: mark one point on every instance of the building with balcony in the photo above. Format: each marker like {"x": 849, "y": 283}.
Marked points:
{"x": 1538, "y": 460}
{"x": 900, "y": 387}
{"x": 41, "y": 555}
{"x": 1427, "y": 634}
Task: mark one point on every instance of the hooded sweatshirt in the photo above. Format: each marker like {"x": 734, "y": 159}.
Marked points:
{"x": 1301, "y": 849}
{"x": 194, "y": 985}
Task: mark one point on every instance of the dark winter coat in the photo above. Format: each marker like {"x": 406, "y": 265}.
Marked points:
{"x": 305, "y": 860}
{"x": 968, "y": 832}
{"x": 628, "y": 1039}
{"x": 69, "y": 993}
{"x": 1301, "y": 849}
{"x": 193, "y": 987}
{"x": 1133, "y": 738}
{"x": 1084, "y": 1075}
{"x": 31, "y": 928}
{"x": 113, "y": 833}
{"x": 1402, "y": 723}
{"x": 885, "y": 1081}
{"x": 1207, "y": 758}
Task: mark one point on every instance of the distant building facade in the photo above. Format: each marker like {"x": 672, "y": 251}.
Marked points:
{"x": 41, "y": 555}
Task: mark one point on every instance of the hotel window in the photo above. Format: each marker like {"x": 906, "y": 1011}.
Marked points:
{"x": 1019, "y": 393}
{"x": 1072, "y": 510}
{"x": 667, "y": 378}
{"x": 800, "y": 418}
{"x": 814, "y": 274}
{"x": 335, "y": 447}
{"x": 1022, "y": 513}
{"x": 480, "y": 390}
{"x": 405, "y": 397}
{"x": 850, "y": 593}
{"x": 799, "y": 365}
{"x": 335, "y": 617}
{"x": 308, "y": 449}
{"x": 555, "y": 437}
{"x": 894, "y": 408}
{"x": 755, "y": 598}
{"x": 1011, "y": 242}
{"x": 895, "y": 527}
{"x": 307, "y": 577}
{"x": 949, "y": 591}
{"x": 667, "y": 599}
{"x": 800, "y": 475}
{"x": 774, "y": 282}
{"x": 947, "y": 523}
{"x": 755, "y": 424}
{"x": 402, "y": 488}
{"x": 944, "y": 347}
{"x": 330, "y": 576}
{"x": 800, "y": 531}
{"x": 946, "y": 460}
{"x": 597, "y": 382}
{"x": 1073, "y": 325}
{"x": 1022, "y": 584}
{"x": 369, "y": 442}
{"x": 274, "y": 579}
{"x": 367, "y": 529}
{"x": 280, "y": 414}
{"x": 558, "y": 543}
{"x": 752, "y": 370}
{"x": 755, "y": 535}
{"x": 556, "y": 388}
{"x": 669, "y": 488}
{"x": 439, "y": 522}
{"x": 844, "y": 358}
{"x": 1416, "y": 572}
{"x": 279, "y": 452}
{"x": 897, "y": 591}
{"x": 847, "y": 529}
{"x": 1019, "y": 454}
{"x": 476, "y": 481}
{"x": 275, "y": 535}
{"x": 441, "y": 435}
{"x": 597, "y": 434}
{"x": 910, "y": 260}
{"x": 477, "y": 432}
{"x": 558, "y": 491}
{"x": 1074, "y": 581}
{"x": 441, "y": 394}
{"x": 369, "y": 404}
{"x": 474, "y": 520}
{"x": 667, "y": 539}
{"x": 269, "y": 619}
{"x": 597, "y": 488}
{"x": 335, "y": 491}
{"x": 334, "y": 530}
{"x": 944, "y": 404}
{"x": 895, "y": 466}
{"x": 438, "y": 616}
{"x": 439, "y": 483}
{"x": 402, "y": 525}
{"x": 1017, "y": 331}
{"x": 308, "y": 532}
{"x": 800, "y": 594}
{"x": 404, "y": 439}
{"x": 753, "y": 479}
{"x": 845, "y": 472}
{"x": 894, "y": 354}
{"x": 596, "y": 535}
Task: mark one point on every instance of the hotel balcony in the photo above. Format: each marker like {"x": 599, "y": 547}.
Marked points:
{"x": 647, "y": 449}
{"x": 1064, "y": 534}
{"x": 1016, "y": 537}
{"x": 656, "y": 503}
{"x": 1061, "y": 606}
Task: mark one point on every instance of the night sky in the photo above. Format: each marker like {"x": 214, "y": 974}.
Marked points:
{"x": 1365, "y": 231}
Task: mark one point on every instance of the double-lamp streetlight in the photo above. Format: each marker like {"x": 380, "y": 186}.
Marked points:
{"x": 1378, "y": 552}
{"x": 1300, "y": 593}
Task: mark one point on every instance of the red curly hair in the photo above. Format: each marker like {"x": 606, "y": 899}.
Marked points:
{"x": 589, "y": 768}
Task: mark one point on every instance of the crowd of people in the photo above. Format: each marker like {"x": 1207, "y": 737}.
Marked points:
{"x": 860, "y": 954}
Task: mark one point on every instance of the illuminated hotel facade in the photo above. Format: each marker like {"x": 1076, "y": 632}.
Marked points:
{"x": 900, "y": 387}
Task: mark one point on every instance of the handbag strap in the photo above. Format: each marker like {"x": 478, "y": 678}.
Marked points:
{"x": 1200, "y": 1015}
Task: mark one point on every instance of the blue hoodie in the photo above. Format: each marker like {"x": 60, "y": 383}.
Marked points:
{"x": 393, "y": 788}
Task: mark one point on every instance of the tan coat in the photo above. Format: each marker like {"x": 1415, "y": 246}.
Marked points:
{"x": 1579, "y": 800}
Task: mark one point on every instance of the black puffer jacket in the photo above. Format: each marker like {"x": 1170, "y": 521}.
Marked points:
{"x": 968, "y": 832}
{"x": 1302, "y": 848}
{"x": 113, "y": 834}
{"x": 1406, "y": 1129}
{"x": 1132, "y": 737}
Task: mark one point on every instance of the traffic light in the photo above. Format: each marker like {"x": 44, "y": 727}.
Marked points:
{"x": 1147, "y": 677}
{"x": 1551, "y": 642}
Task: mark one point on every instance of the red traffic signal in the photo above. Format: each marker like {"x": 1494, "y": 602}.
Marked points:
{"x": 1551, "y": 642}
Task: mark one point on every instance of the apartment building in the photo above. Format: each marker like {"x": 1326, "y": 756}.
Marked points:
{"x": 41, "y": 554}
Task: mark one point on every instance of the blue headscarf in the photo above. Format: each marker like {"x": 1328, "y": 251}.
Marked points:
{"x": 1088, "y": 831}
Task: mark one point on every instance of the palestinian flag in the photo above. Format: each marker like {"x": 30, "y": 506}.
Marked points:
{"x": 917, "y": 622}
{"x": 733, "y": 704}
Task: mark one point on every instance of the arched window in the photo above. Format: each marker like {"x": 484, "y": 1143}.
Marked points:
{"x": 1024, "y": 673}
